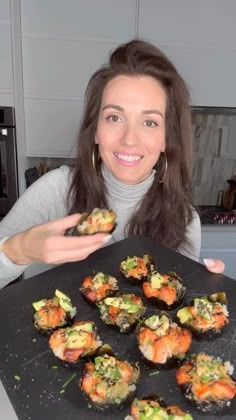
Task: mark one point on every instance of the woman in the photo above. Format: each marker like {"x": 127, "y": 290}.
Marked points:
{"x": 134, "y": 156}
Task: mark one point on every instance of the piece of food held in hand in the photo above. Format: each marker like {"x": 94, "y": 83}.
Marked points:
{"x": 154, "y": 408}
{"x": 162, "y": 342}
{"x": 99, "y": 286}
{"x": 136, "y": 268}
{"x": 109, "y": 382}
{"x": 98, "y": 221}
{"x": 207, "y": 382}
{"x": 165, "y": 290}
{"x": 207, "y": 317}
{"x": 74, "y": 343}
{"x": 123, "y": 311}
{"x": 53, "y": 313}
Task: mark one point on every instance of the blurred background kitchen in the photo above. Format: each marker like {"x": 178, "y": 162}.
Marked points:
{"x": 50, "y": 48}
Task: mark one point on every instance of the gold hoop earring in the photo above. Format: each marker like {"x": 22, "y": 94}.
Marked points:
{"x": 95, "y": 157}
{"x": 165, "y": 170}
{"x": 93, "y": 160}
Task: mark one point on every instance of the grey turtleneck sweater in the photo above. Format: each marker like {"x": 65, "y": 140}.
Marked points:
{"x": 46, "y": 200}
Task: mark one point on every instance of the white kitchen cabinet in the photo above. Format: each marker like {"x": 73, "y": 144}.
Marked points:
{"x": 200, "y": 39}
{"x": 63, "y": 43}
{"x": 6, "y": 72}
{"x": 220, "y": 242}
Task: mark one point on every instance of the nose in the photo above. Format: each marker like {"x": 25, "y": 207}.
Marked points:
{"x": 130, "y": 136}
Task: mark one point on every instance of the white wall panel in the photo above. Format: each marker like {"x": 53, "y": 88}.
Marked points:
{"x": 84, "y": 19}
{"x": 6, "y": 75}
{"x": 210, "y": 74}
{"x": 60, "y": 68}
{"x": 189, "y": 22}
{"x": 6, "y": 99}
{"x": 5, "y": 10}
{"x": 52, "y": 127}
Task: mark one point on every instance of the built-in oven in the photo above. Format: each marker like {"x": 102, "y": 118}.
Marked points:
{"x": 8, "y": 160}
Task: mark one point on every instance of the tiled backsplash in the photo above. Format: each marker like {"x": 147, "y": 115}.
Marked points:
{"x": 214, "y": 152}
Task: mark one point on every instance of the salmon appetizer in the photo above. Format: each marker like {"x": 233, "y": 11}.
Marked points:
{"x": 152, "y": 408}
{"x": 207, "y": 382}
{"x": 207, "y": 317}
{"x": 73, "y": 343}
{"x": 165, "y": 290}
{"x": 98, "y": 221}
{"x": 108, "y": 381}
{"x": 54, "y": 313}
{"x": 123, "y": 311}
{"x": 137, "y": 269}
{"x": 99, "y": 286}
{"x": 162, "y": 342}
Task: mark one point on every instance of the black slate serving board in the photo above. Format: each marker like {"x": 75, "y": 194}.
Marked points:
{"x": 24, "y": 352}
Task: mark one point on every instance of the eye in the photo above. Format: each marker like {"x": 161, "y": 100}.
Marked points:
{"x": 113, "y": 118}
{"x": 150, "y": 123}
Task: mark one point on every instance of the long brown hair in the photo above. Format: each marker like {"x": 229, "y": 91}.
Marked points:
{"x": 167, "y": 207}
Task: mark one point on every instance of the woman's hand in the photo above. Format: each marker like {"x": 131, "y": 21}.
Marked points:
{"x": 214, "y": 265}
{"x": 47, "y": 243}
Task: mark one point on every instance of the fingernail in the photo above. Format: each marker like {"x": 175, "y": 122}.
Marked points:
{"x": 107, "y": 239}
{"x": 208, "y": 262}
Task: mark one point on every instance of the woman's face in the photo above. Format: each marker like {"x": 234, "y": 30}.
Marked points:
{"x": 131, "y": 127}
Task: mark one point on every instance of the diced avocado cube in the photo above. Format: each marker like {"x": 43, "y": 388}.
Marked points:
{"x": 88, "y": 327}
{"x": 61, "y": 295}
{"x": 39, "y": 304}
{"x": 184, "y": 315}
{"x": 113, "y": 302}
{"x": 148, "y": 411}
{"x": 156, "y": 280}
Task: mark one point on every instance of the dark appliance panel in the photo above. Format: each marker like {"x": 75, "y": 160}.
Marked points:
{"x": 8, "y": 161}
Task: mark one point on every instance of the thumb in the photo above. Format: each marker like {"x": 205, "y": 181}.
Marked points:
{"x": 66, "y": 222}
{"x": 214, "y": 265}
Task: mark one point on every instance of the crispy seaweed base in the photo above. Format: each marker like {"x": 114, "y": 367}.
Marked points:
{"x": 207, "y": 406}
{"x": 200, "y": 335}
{"x": 82, "y": 359}
{"x": 47, "y": 331}
{"x": 160, "y": 304}
{"x": 134, "y": 280}
{"x": 115, "y": 407}
{"x": 171, "y": 363}
{"x": 75, "y": 232}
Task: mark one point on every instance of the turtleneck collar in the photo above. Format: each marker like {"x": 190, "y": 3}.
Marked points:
{"x": 126, "y": 192}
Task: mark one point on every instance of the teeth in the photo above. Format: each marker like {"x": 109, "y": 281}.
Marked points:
{"x": 129, "y": 158}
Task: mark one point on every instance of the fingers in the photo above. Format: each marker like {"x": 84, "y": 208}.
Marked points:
{"x": 65, "y": 222}
{"x": 73, "y": 243}
{"x": 214, "y": 265}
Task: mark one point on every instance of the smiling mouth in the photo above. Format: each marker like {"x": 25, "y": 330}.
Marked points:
{"x": 128, "y": 158}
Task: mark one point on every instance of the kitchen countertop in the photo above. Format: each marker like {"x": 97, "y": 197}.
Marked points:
{"x": 7, "y": 411}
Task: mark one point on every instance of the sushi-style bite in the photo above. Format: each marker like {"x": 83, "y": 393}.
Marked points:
{"x": 136, "y": 268}
{"x": 207, "y": 317}
{"x": 73, "y": 343}
{"x": 165, "y": 290}
{"x": 123, "y": 311}
{"x": 98, "y": 221}
{"x": 108, "y": 382}
{"x": 162, "y": 342}
{"x": 207, "y": 382}
{"x": 153, "y": 408}
{"x": 54, "y": 313}
{"x": 98, "y": 286}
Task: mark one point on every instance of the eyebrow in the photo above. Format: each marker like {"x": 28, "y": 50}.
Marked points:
{"x": 119, "y": 108}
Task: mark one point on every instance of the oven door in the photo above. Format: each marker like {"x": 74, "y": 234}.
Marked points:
{"x": 8, "y": 170}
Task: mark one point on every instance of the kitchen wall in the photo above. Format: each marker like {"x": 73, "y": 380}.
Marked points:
{"x": 214, "y": 151}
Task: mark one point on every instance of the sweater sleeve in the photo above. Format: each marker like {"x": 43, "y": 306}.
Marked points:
{"x": 194, "y": 238}
{"x": 43, "y": 201}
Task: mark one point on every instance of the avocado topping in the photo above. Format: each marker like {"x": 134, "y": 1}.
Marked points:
{"x": 184, "y": 315}
{"x": 156, "y": 280}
